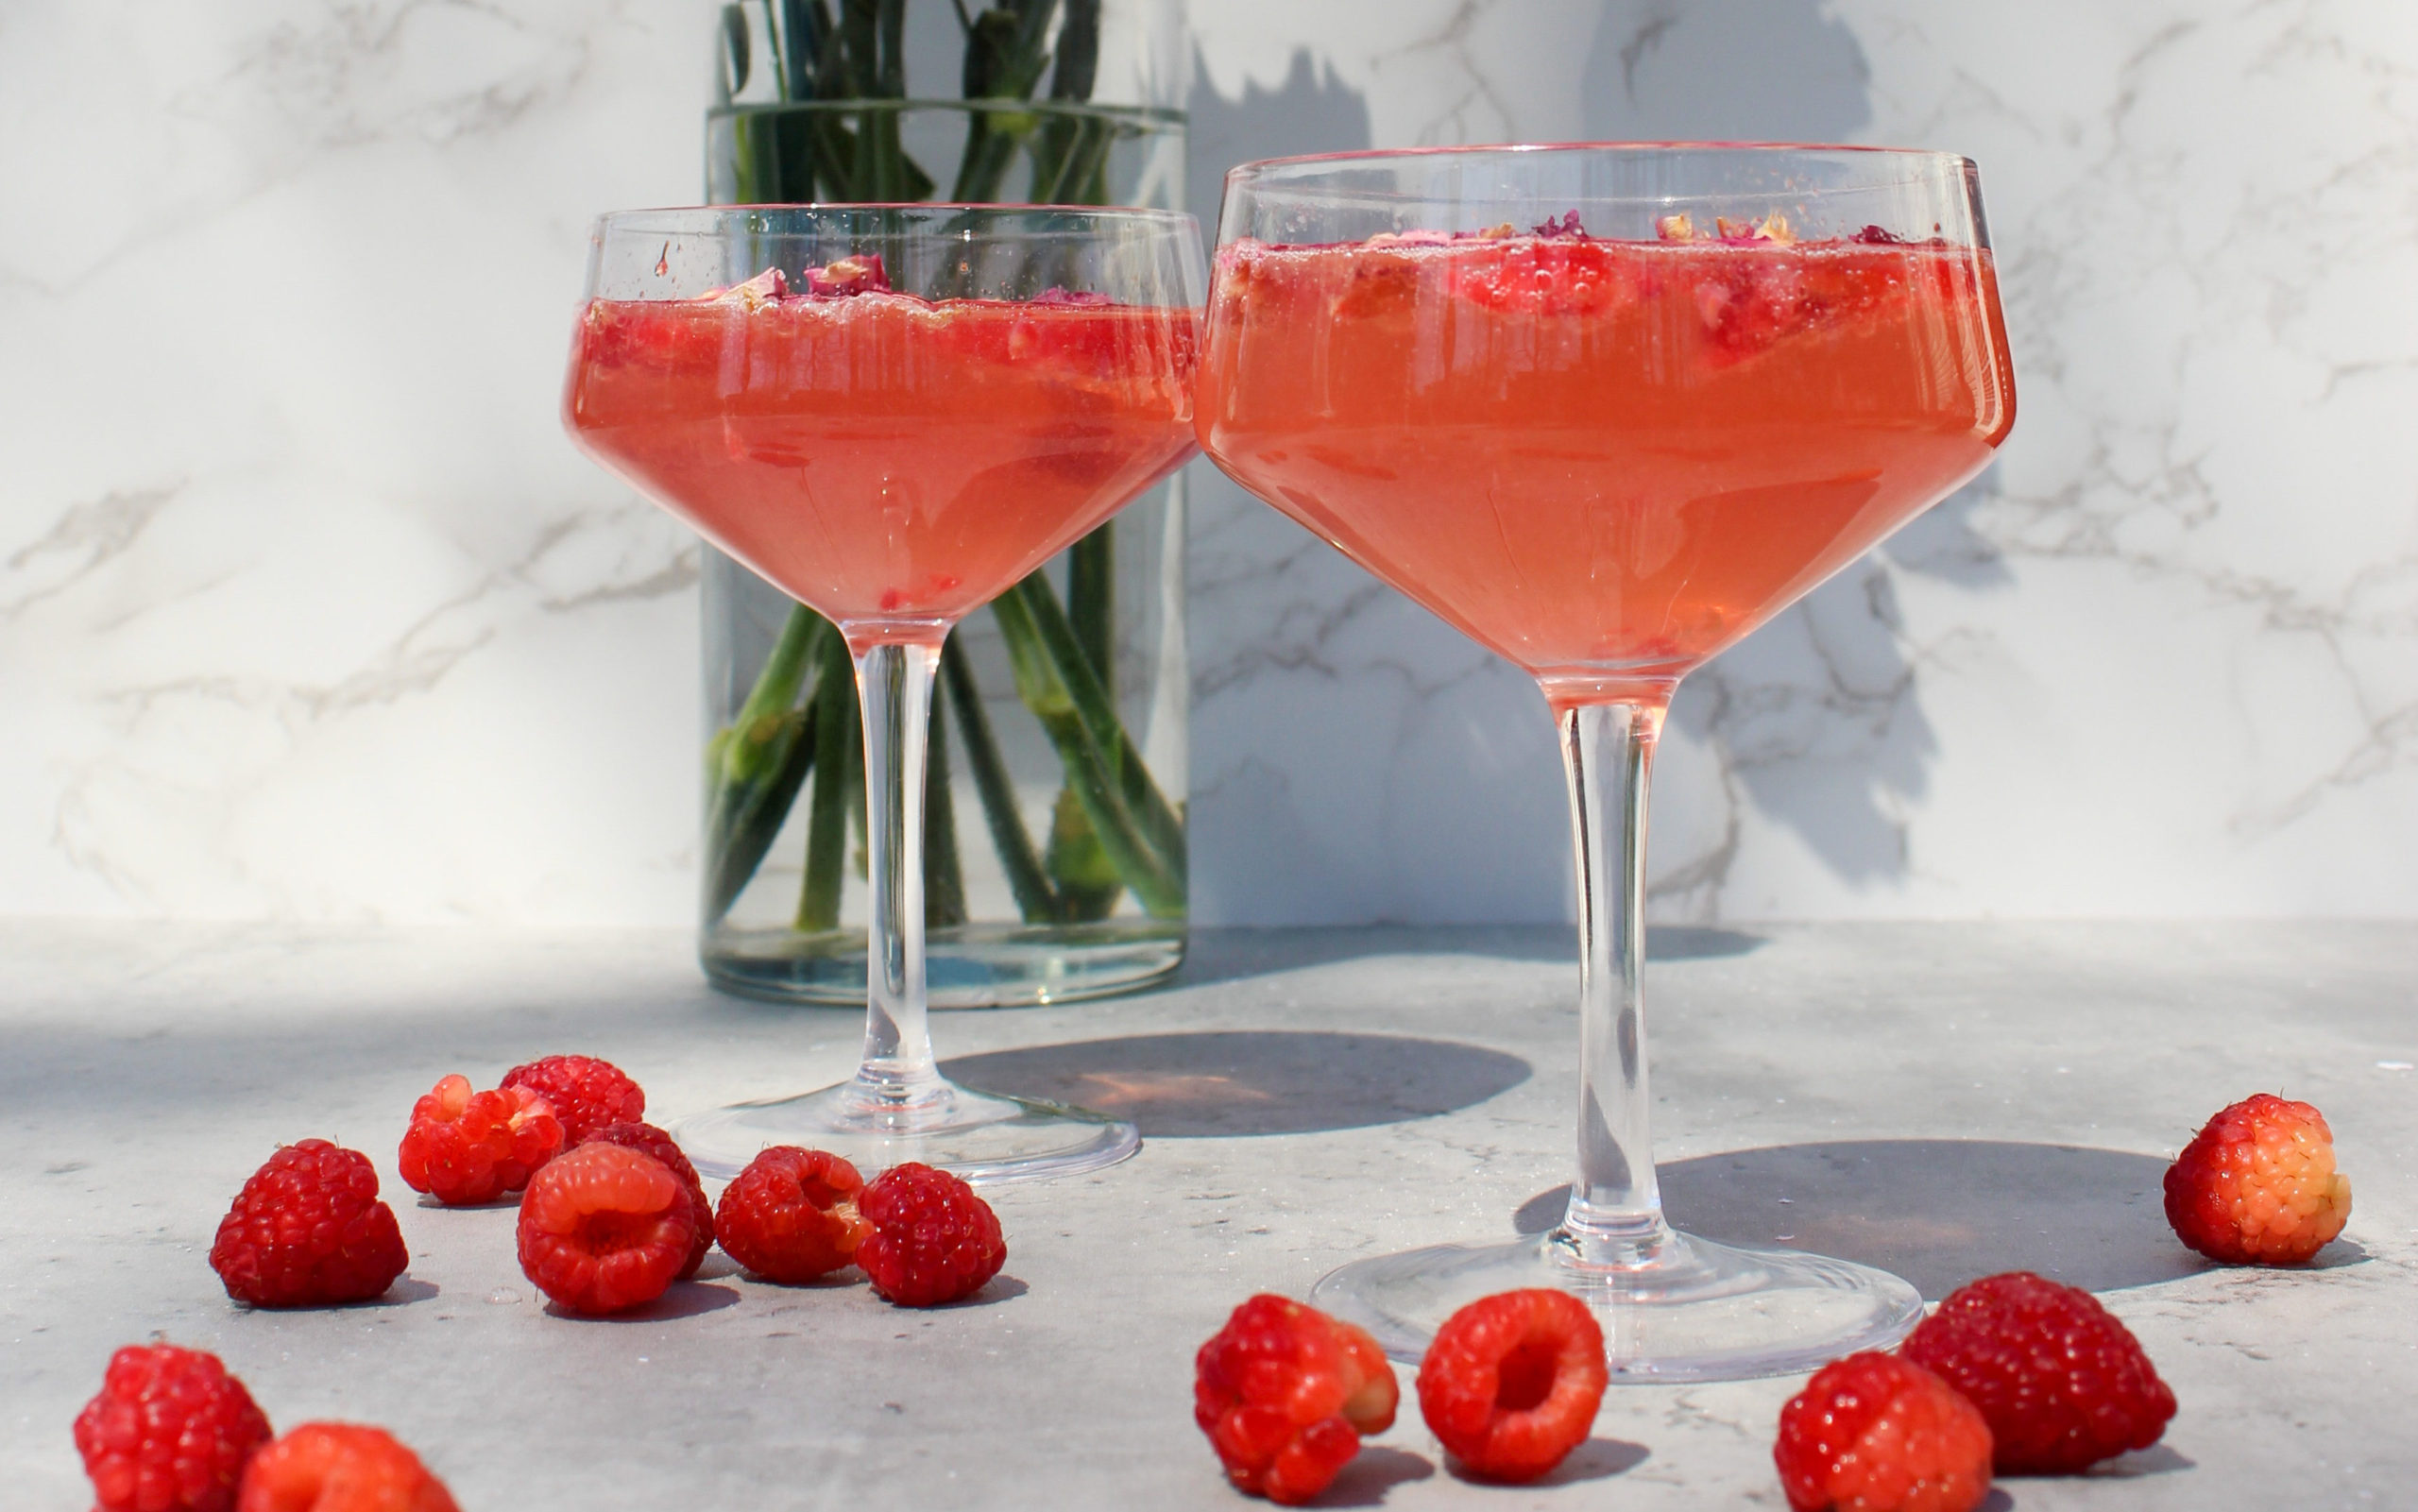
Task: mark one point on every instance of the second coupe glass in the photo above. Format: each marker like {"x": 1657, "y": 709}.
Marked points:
{"x": 1606, "y": 409}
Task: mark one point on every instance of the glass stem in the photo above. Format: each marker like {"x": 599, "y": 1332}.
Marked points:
{"x": 1615, "y": 1213}
{"x": 895, "y": 687}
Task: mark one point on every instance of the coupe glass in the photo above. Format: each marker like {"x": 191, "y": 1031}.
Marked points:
{"x": 1606, "y": 409}
{"x": 894, "y": 412}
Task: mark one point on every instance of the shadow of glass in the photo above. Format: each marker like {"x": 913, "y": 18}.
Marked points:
{"x": 1938, "y": 1212}
{"x": 1175, "y": 1086}
{"x": 1235, "y": 955}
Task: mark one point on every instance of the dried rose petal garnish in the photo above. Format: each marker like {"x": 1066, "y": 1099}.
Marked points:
{"x": 860, "y": 273}
{"x": 766, "y": 287}
{"x": 1773, "y": 228}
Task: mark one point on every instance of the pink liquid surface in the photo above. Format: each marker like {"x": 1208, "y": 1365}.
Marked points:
{"x": 1605, "y": 460}
{"x": 889, "y": 462}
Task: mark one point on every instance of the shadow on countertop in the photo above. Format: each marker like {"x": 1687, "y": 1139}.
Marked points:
{"x": 1227, "y": 1082}
{"x": 1938, "y": 1212}
{"x": 1235, "y": 955}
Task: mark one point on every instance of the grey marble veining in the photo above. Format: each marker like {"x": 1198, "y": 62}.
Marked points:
{"x": 308, "y": 612}
{"x": 1949, "y": 1099}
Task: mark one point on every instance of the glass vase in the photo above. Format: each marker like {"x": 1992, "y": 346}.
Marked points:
{"x": 1054, "y": 851}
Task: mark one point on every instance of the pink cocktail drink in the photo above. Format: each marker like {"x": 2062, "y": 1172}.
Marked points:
{"x": 945, "y": 397}
{"x": 891, "y": 461}
{"x": 1606, "y": 460}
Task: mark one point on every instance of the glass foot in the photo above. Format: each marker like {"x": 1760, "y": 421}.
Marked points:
{"x": 981, "y": 1136}
{"x": 1683, "y": 1309}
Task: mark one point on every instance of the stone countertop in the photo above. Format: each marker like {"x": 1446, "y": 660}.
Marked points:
{"x": 1946, "y": 1100}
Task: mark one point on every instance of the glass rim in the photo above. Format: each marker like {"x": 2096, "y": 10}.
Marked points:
{"x": 1938, "y": 159}
{"x": 1131, "y": 215}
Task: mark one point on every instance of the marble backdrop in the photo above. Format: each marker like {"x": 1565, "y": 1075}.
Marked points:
{"x": 307, "y": 611}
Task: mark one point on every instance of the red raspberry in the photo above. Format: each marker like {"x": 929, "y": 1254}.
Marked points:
{"x": 2257, "y": 1186}
{"x": 308, "y": 1230}
{"x": 469, "y": 1148}
{"x": 2061, "y": 1383}
{"x": 648, "y": 1140}
{"x": 603, "y": 1229}
{"x": 1512, "y": 1382}
{"x": 1873, "y": 1432}
{"x": 791, "y": 1215}
{"x": 586, "y": 1094}
{"x": 933, "y": 1241}
{"x": 335, "y": 1466}
{"x": 170, "y": 1431}
{"x": 1284, "y": 1393}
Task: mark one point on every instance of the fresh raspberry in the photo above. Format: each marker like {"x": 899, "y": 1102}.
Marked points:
{"x": 467, "y": 1148}
{"x": 791, "y": 1215}
{"x": 335, "y": 1466}
{"x": 2061, "y": 1383}
{"x": 648, "y": 1140}
{"x": 586, "y": 1093}
{"x": 170, "y": 1431}
{"x": 308, "y": 1230}
{"x": 605, "y": 1229}
{"x": 1284, "y": 1393}
{"x": 2257, "y": 1186}
{"x": 933, "y": 1241}
{"x": 1873, "y": 1432}
{"x": 1512, "y": 1382}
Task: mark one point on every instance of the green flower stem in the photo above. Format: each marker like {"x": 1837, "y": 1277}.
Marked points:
{"x": 742, "y": 822}
{"x": 755, "y": 765}
{"x": 1161, "y": 825}
{"x": 774, "y": 695}
{"x": 1091, "y": 603}
{"x": 1143, "y": 837}
{"x": 1037, "y": 900}
{"x": 1088, "y": 883}
{"x": 839, "y": 754}
{"x": 943, "y": 875}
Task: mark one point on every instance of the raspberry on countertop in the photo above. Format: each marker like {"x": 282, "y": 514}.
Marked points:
{"x": 790, "y": 1217}
{"x": 1873, "y": 1432}
{"x": 605, "y": 1229}
{"x": 2257, "y": 1186}
{"x": 170, "y": 1431}
{"x": 586, "y": 1093}
{"x": 647, "y": 1139}
{"x": 308, "y": 1230}
{"x": 1284, "y": 1393}
{"x": 334, "y": 1466}
{"x": 932, "y": 1239}
{"x": 2062, "y": 1383}
{"x": 467, "y": 1148}
{"x": 1511, "y": 1382}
